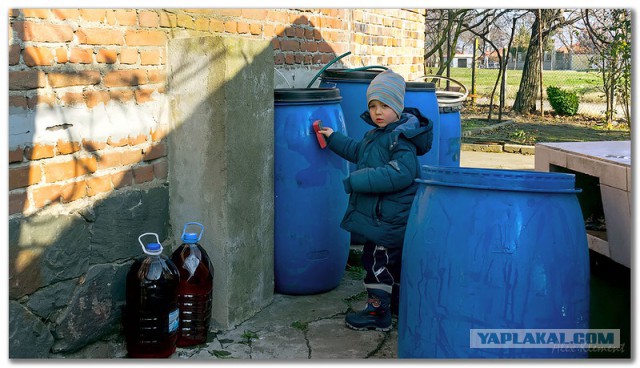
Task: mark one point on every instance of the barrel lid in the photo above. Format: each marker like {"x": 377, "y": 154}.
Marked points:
{"x": 190, "y": 238}
{"x": 498, "y": 179}
{"x": 420, "y": 86}
{"x": 347, "y": 75}
{"x": 298, "y": 95}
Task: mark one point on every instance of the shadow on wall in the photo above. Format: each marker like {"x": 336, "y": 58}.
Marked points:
{"x": 69, "y": 256}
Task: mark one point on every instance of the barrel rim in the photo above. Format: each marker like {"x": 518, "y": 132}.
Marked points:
{"x": 306, "y": 95}
{"x": 499, "y": 179}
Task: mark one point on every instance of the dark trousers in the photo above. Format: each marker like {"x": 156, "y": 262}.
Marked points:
{"x": 382, "y": 266}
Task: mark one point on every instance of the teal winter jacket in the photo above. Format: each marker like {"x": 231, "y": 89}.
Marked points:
{"x": 382, "y": 185}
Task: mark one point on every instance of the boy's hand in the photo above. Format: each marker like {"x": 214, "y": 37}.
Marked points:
{"x": 326, "y": 131}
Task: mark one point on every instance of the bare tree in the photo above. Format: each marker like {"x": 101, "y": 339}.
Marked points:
{"x": 610, "y": 33}
{"x": 548, "y": 21}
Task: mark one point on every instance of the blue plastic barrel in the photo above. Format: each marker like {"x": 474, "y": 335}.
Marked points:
{"x": 311, "y": 249}
{"x": 422, "y": 96}
{"x": 353, "y": 89}
{"x": 450, "y": 133}
{"x": 492, "y": 249}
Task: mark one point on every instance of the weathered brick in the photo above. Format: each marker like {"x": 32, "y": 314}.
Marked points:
{"x": 131, "y": 157}
{"x": 118, "y": 143}
{"x": 93, "y": 15}
{"x": 128, "y": 55}
{"x": 121, "y": 95}
{"x": 138, "y": 139}
{"x": 126, "y": 17}
{"x": 36, "y": 13}
{"x": 93, "y": 98}
{"x": 161, "y": 169}
{"x": 216, "y": 25}
{"x": 16, "y": 155}
{"x": 107, "y": 56}
{"x": 79, "y": 78}
{"x": 243, "y": 27}
{"x": 70, "y": 169}
{"x": 144, "y": 95}
{"x": 148, "y": 19}
{"x": 100, "y": 36}
{"x": 65, "y": 14}
{"x": 150, "y": 57}
{"x": 98, "y": 184}
{"x": 37, "y": 56}
{"x": 46, "y": 194}
{"x": 18, "y": 101}
{"x": 155, "y": 151}
{"x": 43, "y": 32}
{"x": 66, "y": 147}
{"x": 231, "y": 26}
{"x": 109, "y": 159}
{"x": 259, "y": 14}
{"x": 23, "y": 176}
{"x": 156, "y": 76}
{"x": 81, "y": 55}
{"x": 14, "y": 54}
{"x": 168, "y": 20}
{"x": 17, "y": 202}
{"x": 48, "y": 99}
{"x": 186, "y": 21}
{"x": 62, "y": 55}
{"x": 120, "y": 78}
{"x": 143, "y": 174}
{"x": 202, "y": 24}
{"x": 91, "y": 145}
{"x": 122, "y": 179}
{"x": 38, "y": 151}
{"x": 72, "y": 98}
{"x": 145, "y": 38}
{"x": 159, "y": 133}
{"x": 26, "y": 79}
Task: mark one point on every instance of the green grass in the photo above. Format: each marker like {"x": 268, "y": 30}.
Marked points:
{"x": 586, "y": 84}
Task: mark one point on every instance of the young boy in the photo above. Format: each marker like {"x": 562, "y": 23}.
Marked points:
{"x": 381, "y": 190}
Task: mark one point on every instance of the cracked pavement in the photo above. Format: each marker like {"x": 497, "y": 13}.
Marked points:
{"x": 301, "y": 327}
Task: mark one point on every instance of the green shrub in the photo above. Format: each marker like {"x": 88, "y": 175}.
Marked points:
{"x": 563, "y": 102}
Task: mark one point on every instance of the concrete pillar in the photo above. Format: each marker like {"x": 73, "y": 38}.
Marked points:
{"x": 221, "y": 164}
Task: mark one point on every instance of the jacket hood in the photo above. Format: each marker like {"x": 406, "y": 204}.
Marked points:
{"x": 412, "y": 125}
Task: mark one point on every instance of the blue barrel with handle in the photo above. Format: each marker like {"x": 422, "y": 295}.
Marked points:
{"x": 450, "y": 140}
{"x": 422, "y": 96}
{"x": 311, "y": 249}
{"x": 499, "y": 250}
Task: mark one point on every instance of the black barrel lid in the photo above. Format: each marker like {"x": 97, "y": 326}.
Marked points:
{"x": 306, "y": 95}
{"x": 421, "y": 86}
{"x": 348, "y": 75}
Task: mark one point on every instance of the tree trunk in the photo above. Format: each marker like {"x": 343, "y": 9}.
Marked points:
{"x": 530, "y": 83}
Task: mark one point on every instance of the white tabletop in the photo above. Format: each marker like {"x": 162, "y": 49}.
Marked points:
{"x": 615, "y": 151}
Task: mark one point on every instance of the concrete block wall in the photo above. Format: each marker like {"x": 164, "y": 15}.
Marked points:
{"x": 89, "y": 126}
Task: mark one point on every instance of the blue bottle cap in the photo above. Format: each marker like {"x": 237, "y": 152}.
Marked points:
{"x": 154, "y": 247}
{"x": 190, "y": 238}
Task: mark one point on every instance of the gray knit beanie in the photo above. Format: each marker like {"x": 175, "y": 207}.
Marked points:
{"x": 388, "y": 88}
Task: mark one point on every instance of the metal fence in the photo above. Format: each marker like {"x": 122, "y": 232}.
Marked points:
{"x": 585, "y": 83}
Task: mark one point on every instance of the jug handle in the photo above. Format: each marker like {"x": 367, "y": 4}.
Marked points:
{"x": 157, "y": 241}
{"x": 193, "y": 223}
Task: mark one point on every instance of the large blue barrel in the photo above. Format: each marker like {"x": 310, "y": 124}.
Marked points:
{"x": 450, "y": 135}
{"x": 492, "y": 249}
{"x": 353, "y": 86}
{"x": 422, "y": 96}
{"x": 311, "y": 249}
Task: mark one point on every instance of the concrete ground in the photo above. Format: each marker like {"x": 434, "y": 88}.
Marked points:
{"x": 306, "y": 327}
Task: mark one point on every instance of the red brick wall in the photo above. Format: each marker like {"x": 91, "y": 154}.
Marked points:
{"x": 83, "y": 58}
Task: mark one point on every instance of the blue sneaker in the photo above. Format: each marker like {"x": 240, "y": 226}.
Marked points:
{"x": 376, "y": 315}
